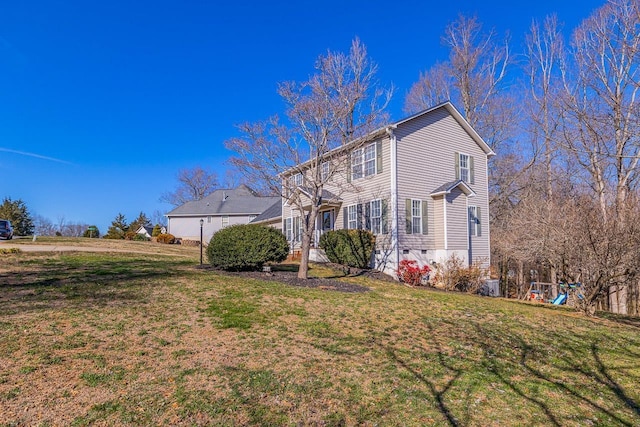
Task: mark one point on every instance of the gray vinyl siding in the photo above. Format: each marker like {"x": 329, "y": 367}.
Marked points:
{"x": 426, "y": 148}
{"x": 457, "y": 221}
{"x": 438, "y": 222}
{"x": 365, "y": 189}
{"x": 362, "y": 190}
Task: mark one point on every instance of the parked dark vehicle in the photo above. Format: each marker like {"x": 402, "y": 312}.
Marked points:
{"x": 6, "y": 231}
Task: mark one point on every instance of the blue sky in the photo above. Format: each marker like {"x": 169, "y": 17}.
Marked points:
{"x": 101, "y": 103}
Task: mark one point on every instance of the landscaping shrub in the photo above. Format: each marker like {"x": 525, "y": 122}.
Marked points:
{"x": 130, "y": 235}
{"x": 456, "y": 277}
{"x": 410, "y": 273}
{"x": 157, "y": 230}
{"x": 140, "y": 238}
{"x": 246, "y": 247}
{"x": 166, "y": 238}
{"x": 349, "y": 247}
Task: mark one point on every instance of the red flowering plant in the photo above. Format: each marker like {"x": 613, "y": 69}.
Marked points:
{"x": 410, "y": 273}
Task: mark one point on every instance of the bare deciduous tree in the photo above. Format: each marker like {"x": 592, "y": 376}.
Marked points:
{"x": 193, "y": 184}
{"x": 339, "y": 103}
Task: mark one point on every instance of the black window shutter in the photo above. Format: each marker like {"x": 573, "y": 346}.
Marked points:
{"x": 457, "y": 163}
{"x": 478, "y": 221}
{"x": 367, "y": 216}
{"x": 408, "y": 222}
{"x": 379, "y": 157}
{"x": 360, "y": 217}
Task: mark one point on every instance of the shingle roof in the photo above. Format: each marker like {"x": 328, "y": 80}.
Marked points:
{"x": 237, "y": 201}
{"x": 272, "y": 212}
{"x": 446, "y": 188}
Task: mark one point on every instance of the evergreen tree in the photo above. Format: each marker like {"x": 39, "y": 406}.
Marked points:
{"x": 92, "y": 232}
{"x": 17, "y": 212}
{"x": 118, "y": 228}
{"x": 142, "y": 220}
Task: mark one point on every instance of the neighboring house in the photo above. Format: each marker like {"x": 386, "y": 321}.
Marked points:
{"x": 420, "y": 185}
{"x": 218, "y": 210}
{"x": 145, "y": 230}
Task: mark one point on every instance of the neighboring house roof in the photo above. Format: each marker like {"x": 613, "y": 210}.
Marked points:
{"x": 147, "y": 228}
{"x": 237, "y": 201}
{"x": 449, "y": 186}
{"x": 272, "y": 213}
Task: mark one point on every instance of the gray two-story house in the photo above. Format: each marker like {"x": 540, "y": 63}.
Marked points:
{"x": 419, "y": 184}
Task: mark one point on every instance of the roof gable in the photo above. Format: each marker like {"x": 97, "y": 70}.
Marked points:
{"x": 458, "y": 118}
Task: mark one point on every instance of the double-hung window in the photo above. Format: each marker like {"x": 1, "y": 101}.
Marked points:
{"x": 352, "y": 217}
{"x": 225, "y": 221}
{"x": 464, "y": 168}
{"x": 363, "y": 161}
{"x": 324, "y": 171}
{"x": 474, "y": 221}
{"x": 375, "y": 216}
{"x": 416, "y": 216}
{"x": 297, "y": 179}
{"x": 288, "y": 229}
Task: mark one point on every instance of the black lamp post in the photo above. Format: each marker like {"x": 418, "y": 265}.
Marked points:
{"x": 201, "y": 224}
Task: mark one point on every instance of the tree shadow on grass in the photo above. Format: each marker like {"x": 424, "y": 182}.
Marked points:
{"x": 587, "y": 364}
{"x": 78, "y": 280}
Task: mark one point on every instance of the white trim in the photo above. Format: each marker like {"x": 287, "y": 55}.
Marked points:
{"x": 445, "y": 225}
{"x": 393, "y": 148}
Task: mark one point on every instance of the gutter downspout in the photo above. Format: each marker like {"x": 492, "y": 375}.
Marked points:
{"x": 393, "y": 147}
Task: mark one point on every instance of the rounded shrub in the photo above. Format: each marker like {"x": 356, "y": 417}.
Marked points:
{"x": 246, "y": 247}
{"x": 349, "y": 247}
{"x": 166, "y": 238}
{"x": 140, "y": 238}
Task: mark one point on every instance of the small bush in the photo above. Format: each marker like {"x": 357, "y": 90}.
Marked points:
{"x": 166, "y": 238}
{"x": 157, "y": 230}
{"x": 246, "y": 247}
{"x": 140, "y": 238}
{"x": 456, "y": 277}
{"x": 7, "y": 251}
{"x": 409, "y": 272}
{"x": 130, "y": 235}
{"x": 349, "y": 247}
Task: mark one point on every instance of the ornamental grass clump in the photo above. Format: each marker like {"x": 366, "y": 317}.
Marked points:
{"x": 246, "y": 247}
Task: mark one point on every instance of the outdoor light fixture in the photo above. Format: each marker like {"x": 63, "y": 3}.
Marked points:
{"x": 201, "y": 224}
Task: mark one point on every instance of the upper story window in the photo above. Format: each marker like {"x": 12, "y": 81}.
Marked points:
{"x": 324, "y": 171}
{"x": 225, "y": 221}
{"x": 464, "y": 167}
{"x": 363, "y": 161}
{"x": 297, "y": 179}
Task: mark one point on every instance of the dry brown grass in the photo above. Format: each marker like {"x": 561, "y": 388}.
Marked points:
{"x": 112, "y": 339}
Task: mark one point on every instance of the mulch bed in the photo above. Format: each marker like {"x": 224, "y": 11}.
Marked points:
{"x": 329, "y": 283}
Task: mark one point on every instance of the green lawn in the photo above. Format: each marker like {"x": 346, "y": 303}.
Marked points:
{"x": 114, "y": 339}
